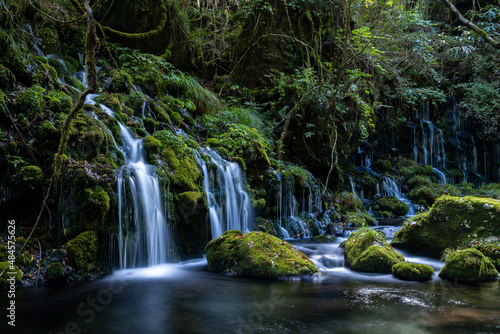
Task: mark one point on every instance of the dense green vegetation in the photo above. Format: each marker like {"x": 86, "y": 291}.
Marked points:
{"x": 299, "y": 94}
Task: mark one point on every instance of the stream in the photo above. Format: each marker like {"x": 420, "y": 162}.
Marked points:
{"x": 185, "y": 298}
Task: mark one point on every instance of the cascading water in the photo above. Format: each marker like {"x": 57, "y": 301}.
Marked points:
{"x": 391, "y": 188}
{"x": 431, "y": 140}
{"x": 143, "y": 233}
{"x": 229, "y": 204}
{"x": 144, "y": 238}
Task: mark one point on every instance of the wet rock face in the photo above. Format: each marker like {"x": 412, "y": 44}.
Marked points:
{"x": 367, "y": 251}
{"x": 451, "y": 222}
{"x": 257, "y": 254}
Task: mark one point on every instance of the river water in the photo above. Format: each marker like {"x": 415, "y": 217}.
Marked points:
{"x": 185, "y": 298}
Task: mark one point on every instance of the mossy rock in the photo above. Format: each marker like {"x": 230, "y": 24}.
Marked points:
{"x": 490, "y": 248}
{"x": 424, "y": 195}
{"x": 257, "y": 254}
{"x": 55, "y": 273}
{"x": 382, "y": 165}
{"x": 392, "y": 204}
{"x": 179, "y": 164}
{"x": 82, "y": 251}
{"x": 3, "y": 279}
{"x": 324, "y": 238}
{"x": 358, "y": 219}
{"x": 367, "y": 251}
{"x": 469, "y": 265}
{"x": 451, "y": 222}
{"x": 192, "y": 206}
{"x": 244, "y": 143}
{"x": 176, "y": 118}
{"x": 412, "y": 271}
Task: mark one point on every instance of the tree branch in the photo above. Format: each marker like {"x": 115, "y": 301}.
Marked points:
{"x": 471, "y": 25}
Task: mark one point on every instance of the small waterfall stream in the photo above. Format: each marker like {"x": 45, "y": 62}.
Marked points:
{"x": 144, "y": 238}
{"x": 228, "y": 202}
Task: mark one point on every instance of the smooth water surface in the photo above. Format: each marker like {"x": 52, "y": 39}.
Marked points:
{"x": 185, "y": 298}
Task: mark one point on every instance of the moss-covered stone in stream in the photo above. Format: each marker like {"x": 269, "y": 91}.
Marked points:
{"x": 54, "y": 273}
{"x": 468, "y": 265}
{"x": 3, "y": 279}
{"x": 257, "y": 254}
{"x": 451, "y": 222}
{"x": 82, "y": 251}
{"x": 390, "y": 204}
{"x": 366, "y": 250}
{"x": 490, "y": 247}
{"x": 412, "y": 271}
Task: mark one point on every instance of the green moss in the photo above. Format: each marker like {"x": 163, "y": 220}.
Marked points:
{"x": 451, "y": 222}
{"x": 3, "y": 279}
{"x": 490, "y": 248}
{"x": 192, "y": 206}
{"x": 382, "y": 165}
{"x": 55, "y": 273}
{"x": 59, "y": 102}
{"x": 135, "y": 101}
{"x": 31, "y": 101}
{"x": 392, "y": 205}
{"x": 348, "y": 201}
{"x": 176, "y": 117}
{"x": 359, "y": 219}
{"x": 420, "y": 180}
{"x": 246, "y": 143}
{"x": 367, "y": 251}
{"x": 468, "y": 265}
{"x": 324, "y": 238}
{"x": 179, "y": 163}
{"x": 256, "y": 254}
{"x": 423, "y": 195}
{"x": 82, "y": 251}
{"x": 412, "y": 271}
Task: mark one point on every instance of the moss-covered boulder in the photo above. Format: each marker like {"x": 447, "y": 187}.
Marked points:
{"x": 412, "y": 271}
{"x": 82, "y": 251}
{"x": 451, "y": 222}
{"x": 7, "y": 274}
{"x": 366, "y": 250}
{"x": 55, "y": 273}
{"x": 468, "y": 265}
{"x": 324, "y": 238}
{"x": 392, "y": 205}
{"x": 256, "y": 254}
{"x": 490, "y": 248}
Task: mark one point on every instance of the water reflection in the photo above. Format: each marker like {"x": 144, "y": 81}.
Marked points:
{"x": 185, "y": 298}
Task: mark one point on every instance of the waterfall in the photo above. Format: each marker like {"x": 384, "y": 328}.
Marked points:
{"x": 143, "y": 235}
{"x": 144, "y": 238}
{"x": 391, "y": 188}
{"x": 432, "y": 143}
{"x": 228, "y": 202}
